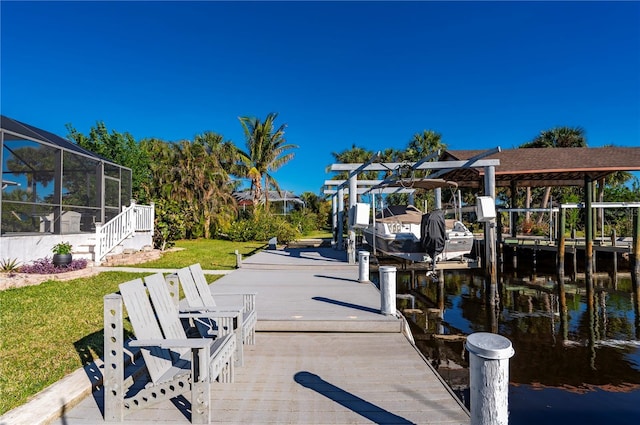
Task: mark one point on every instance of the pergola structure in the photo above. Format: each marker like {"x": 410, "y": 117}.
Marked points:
{"x": 53, "y": 186}
{"x": 353, "y": 186}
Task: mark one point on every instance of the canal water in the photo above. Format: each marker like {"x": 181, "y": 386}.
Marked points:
{"x": 583, "y": 368}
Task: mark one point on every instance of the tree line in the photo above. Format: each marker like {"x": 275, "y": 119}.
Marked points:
{"x": 191, "y": 182}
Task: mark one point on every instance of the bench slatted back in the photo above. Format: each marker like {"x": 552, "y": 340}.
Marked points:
{"x": 190, "y": 289}
{"x": 145, "y": 326}
{"x": 202, "y": 285}
{"x": 166, "y": 310}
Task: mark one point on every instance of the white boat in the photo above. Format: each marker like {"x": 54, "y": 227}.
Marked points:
{"x": 407, "y": 233}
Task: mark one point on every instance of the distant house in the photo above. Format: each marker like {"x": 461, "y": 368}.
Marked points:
{"x": 284, "y": 202}
{"x": 53, "y": 190}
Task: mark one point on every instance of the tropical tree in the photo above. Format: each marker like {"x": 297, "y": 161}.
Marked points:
{"x": 558, "y": 137}
{"x": 120, "y": 148}
{"x": 198, "y": 177}
{"x": 423, "y": 144}
{"x": 354, "y": 155}
{"x": 267, "y": 151}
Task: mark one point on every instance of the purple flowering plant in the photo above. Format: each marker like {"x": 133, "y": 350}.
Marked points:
{"x": 45, "y": 266}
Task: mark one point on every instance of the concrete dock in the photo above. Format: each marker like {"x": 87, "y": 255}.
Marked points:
{"x": 324, "y": 355}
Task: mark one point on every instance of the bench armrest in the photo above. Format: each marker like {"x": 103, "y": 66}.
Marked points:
{"x": 209, "y": 314}
{"x": 198, "y": 343}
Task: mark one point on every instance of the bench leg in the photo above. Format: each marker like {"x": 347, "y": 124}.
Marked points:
{"x": 113, "y": 382}
{"x": 200, "y": 387}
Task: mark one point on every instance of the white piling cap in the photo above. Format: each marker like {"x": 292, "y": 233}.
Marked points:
{"x": 386, "y": 269}
{"x": 489, "y": 346}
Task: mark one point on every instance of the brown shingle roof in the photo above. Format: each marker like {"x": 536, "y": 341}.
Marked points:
{"x": 546, "y": 166}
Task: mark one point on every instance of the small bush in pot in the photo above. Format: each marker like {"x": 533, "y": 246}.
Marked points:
{"x": 61, "y": 254}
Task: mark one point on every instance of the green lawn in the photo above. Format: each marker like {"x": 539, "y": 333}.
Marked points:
{"x": 50, "y": 330}
{"x": 212, "y": 254}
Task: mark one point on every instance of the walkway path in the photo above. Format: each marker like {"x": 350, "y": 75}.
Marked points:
{"x": 324, "y": 355}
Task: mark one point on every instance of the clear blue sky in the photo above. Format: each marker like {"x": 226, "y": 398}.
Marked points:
{"x": 483, "y": 74}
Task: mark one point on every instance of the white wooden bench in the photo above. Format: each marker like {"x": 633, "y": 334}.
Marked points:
{"x": 199, "y": 298}
{"x": 175, "y": 366}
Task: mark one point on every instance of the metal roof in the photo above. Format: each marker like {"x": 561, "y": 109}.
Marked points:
{"x": 274, "y": 196}
{"x": 545, "y": 166}
{"x": 27, "y": 131}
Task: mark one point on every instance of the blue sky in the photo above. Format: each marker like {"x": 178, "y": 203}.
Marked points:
{"x": 483, "y": 74}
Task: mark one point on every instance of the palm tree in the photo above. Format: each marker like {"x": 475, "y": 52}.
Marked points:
{"x": 423, "y": 144}
{"x": 354, "y": 155}
{"x": 267, "y": 151}
{"x": 199, "y": 178}
{"x": 558, "y": 137}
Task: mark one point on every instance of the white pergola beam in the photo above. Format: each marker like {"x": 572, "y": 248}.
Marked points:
{"x": 386, "y": 166}
{"x": 364, "y": 190}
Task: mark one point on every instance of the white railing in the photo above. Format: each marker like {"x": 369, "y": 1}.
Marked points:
{"x": 144, "y": 217}
{"x": 132, "y": 218}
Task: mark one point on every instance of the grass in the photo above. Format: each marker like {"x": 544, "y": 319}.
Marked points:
{"x": 212, "y": 254}
{"x": 49, "y": 330}
{"x": 319, "y": 234}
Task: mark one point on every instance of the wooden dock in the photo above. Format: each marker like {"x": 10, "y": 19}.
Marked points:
{"x": 324, "y": 355}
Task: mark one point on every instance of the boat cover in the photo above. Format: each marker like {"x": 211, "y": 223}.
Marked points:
{"x": 433, "y": 233}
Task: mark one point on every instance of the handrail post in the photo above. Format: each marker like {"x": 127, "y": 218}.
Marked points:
{"x": 489, "y": 356}
{"x": 98, "y": 248}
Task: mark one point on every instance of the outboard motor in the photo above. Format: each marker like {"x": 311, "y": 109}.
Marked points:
{"x": 433, "y": 236}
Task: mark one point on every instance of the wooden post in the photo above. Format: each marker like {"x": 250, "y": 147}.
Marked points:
{"x": 562, "y": 296}
{"x": 489, "y": 356}
{"x": 561, "y": 244}
{"x": 238, "y": 259}
{"x": 500, "y": 245}
{"x": 588, "y": 234}
{"x": 363, "y": 266}
{"x": 513, "y": 218}
{"x": 588, "y": 230}
{"x": 387, "y": 290}
{"x": 614, "y": 274}
{"x": 635, "y": 274}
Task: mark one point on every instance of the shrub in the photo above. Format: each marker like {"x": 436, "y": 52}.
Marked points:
{"x": 261, "y": 227}
{"x": 45, "y": 266}
{"x": 62, "y": 248}
{"x": 304, "y": 220}
{"x": 9, "y": 265}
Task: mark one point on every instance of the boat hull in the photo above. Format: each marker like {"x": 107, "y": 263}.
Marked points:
{"x": 407, "y": 246}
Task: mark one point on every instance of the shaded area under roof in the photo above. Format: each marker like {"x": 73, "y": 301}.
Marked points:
{"x": 545, "y": 166}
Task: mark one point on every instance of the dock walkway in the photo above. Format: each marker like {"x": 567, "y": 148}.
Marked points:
{"x": 324, "y": 355}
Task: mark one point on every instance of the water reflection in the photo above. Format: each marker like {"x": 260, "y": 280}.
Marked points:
{"x": 570, "y": 340}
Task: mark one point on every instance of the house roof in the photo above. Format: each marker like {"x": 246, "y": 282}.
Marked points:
{"x": 545, "y": 166}
{"x": 274, "y": 196}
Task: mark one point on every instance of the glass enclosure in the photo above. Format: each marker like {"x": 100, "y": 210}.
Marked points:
{"x": 51, "y": 186}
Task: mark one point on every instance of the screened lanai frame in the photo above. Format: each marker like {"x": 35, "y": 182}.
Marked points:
{"x": 52, "y": 186}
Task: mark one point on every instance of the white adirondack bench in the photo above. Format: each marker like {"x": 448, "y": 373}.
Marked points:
{"x": 198, "y": 298}
{"x": 175, "y": 366}
{"x": 207, "y": 299}
{"x": 169, "y": 316}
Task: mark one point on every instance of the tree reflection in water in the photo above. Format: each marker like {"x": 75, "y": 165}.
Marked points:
{"x": 570, "y": 352}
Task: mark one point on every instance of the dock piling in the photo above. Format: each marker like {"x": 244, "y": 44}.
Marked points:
{"x": 387, "y": 290}
{"x": 363, "y": 266}
{"x": 489, "y": 356}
